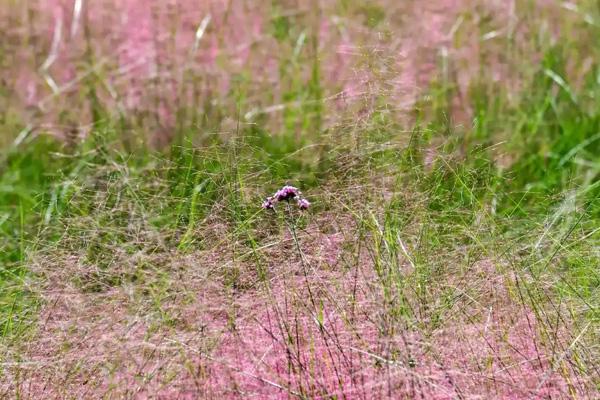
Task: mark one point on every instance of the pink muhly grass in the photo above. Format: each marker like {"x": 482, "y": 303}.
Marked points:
{"x": 321, "y": 336}
{"x": 150, "y": 60}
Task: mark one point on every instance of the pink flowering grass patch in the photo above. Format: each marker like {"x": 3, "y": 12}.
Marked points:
{"x": 505, "y": 355}
{"x": 175, "y": 284}
{"x": 322, "y": 334}
{"x": 160, "y": 63}
{"x": 336, "y": 303}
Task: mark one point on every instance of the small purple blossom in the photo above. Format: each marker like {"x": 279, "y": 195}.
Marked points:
{"x": 303, "y": 204}
{"x": 268, "y": 204}
{"x": 286, "y": 193}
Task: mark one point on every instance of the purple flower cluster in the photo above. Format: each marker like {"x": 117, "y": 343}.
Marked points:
{"x": 286, "y": 193}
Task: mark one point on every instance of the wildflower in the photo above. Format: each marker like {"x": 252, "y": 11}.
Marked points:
{"x": 286, "y": 193}
{"x": 303, "y": 204}
{"x": 268, "y": 204}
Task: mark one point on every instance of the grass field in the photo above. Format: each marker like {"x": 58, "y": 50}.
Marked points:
{"x": 450, "y": 152}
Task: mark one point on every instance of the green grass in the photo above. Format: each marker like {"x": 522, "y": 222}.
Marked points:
{"x": 29, "y": 173}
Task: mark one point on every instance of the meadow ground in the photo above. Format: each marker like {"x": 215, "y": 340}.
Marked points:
{"x": 449, "y": 150}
